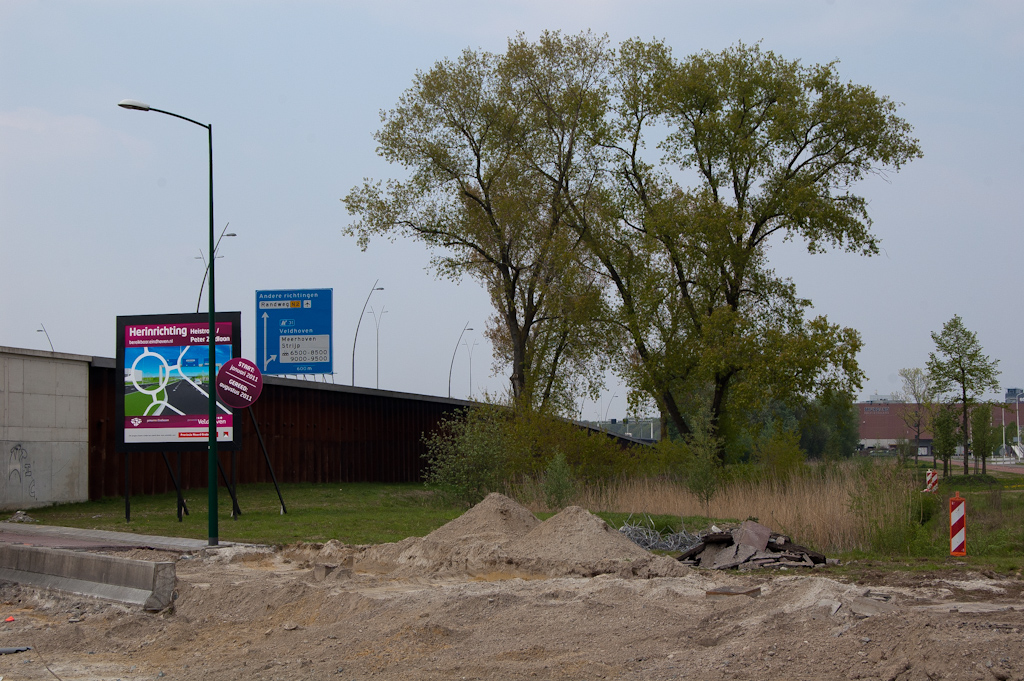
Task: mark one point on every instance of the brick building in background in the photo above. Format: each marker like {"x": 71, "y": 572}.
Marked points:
{"x": 882, "y": 424}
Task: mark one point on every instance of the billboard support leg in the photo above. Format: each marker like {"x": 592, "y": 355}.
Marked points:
{"x": 127, "y": 487}
{"x": 177, "y": 487}
{"x": 267, "y": 457}
{"x": 235, "y": 511}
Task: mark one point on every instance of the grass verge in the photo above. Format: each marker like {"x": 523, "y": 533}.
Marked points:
{"x": 357, "y": 513}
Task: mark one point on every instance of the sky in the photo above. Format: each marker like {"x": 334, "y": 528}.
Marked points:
{"x": 104, "y": 211}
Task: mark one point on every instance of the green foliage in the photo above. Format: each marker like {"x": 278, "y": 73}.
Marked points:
{"x": 475, "y": 135}
{"x": 559, "y": 484}
{"x": 960, "y": 482}
{"x": 480, "y": 450}
{"x": 926, "y": 507}
{"x": 889, "y": 503}
{"x": 467, "y": 456}
{"x": 773, "y": 148}
{"x": 780, "y": 454}
{"x": 983, "y": 435}
{"x": 961, "y": 368}
{"x": 944, "y": 433}
{"x": 702, "y": 469}
{"x": 829, "y": 426}
{"x": 528, "y": 172}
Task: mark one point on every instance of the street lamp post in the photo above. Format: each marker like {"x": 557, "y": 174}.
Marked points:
{"x": 212, "y": 395}
{"x": 206, "y": 272}
{"x": 376, "y": 324}
{"x": 354, "y": 339}
{"x": 1017, "y": 449}
{"x": 469, "y": 348}
{"x": 457, "y": 344}
{"x": 42, "y": 329}
{"x": 609, "y": 407}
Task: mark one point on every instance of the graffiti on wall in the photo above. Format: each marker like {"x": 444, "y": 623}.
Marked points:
{"x": 19, "y": 471}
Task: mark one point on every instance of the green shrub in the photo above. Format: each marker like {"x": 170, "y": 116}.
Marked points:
{"x": 559, "y": 484}
{"x": 480, "y": 450}
{"x": 466, "y": 456}
{"x": 780, "y": 454}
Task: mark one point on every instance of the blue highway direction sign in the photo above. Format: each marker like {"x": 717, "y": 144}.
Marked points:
{"x": 294, "y": 330}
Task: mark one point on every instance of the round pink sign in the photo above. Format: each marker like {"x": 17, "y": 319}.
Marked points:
{"x": 239, "y": 383}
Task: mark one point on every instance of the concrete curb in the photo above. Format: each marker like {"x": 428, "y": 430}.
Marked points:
{"x": 136, "y": 582}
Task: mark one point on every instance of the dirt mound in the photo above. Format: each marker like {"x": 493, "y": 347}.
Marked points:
{"x": 500, "y": 537}
{"x": 496, "y": 518}
{"x": 575, "y": 535}
{"x": 576, "y": 542}
{"x": 471, "y": 544}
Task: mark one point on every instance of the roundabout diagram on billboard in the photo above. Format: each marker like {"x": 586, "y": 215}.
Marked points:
{"x": 169, "y": 380}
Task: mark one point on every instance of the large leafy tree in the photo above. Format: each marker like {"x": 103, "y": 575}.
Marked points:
{"x": 959, "y": 366}
{"x": 529, "y": 171}
{"x": 758, "y": 149}
{"x": 495, "y": 149}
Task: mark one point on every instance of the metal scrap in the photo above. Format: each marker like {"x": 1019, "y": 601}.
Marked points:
{"x": 645, "y": 534}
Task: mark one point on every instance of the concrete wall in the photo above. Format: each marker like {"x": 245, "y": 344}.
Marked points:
{"x": 44, "y": 435}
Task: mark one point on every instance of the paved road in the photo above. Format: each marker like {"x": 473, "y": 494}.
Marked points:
{"x": 958, "y": 467}
{"x": 183, "y": 396}
{"x": 73, "y": 538}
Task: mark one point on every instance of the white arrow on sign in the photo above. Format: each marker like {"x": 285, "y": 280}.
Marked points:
{"x": 266, "y": 360}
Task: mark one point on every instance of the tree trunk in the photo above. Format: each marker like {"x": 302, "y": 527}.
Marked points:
{"x": 967, "y": 470}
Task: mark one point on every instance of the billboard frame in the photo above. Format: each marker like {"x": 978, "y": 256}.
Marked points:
{"x": 200, "y": 321}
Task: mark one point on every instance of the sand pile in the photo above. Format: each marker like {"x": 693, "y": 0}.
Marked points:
{"x": 496, "y": 518}
{"x": 470, "y": 544}
{"x": 576, "y": 542}
{"x": 575, "y": 535}
{"x": 499, "y": 537}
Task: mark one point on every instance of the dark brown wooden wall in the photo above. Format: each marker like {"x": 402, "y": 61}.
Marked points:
{"x": 314, "y": 432}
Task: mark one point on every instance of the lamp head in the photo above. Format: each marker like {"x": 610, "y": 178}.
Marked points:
{"x": 132, "y": 104}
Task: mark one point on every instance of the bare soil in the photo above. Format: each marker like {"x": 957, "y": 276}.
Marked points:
{"x": 498, "y": 595}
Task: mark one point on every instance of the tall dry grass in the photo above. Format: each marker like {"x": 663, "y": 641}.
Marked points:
{"x": 832, "y": 508}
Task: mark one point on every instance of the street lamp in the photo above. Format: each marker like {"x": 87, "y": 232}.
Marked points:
{"x": 212, "y": 395}
{"x": 207, "y": 270}
{"x": 42, "y": 329}
{"x": 469, "y": 348}
{"x": 457, "y": 343}
{"x": 375, "y": 288}
{"x": 376, "y": 323}
{"x": 609, "y": 406}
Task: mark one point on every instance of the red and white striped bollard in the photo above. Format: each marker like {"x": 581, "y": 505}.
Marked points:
{"x": 957, "y": 526}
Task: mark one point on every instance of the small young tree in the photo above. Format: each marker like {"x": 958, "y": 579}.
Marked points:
{"x": 559, "y": 484}
{"x": 944, "y": 430}
{"x": 918, "y": 394}
{"x": 702, "y": 466}
{"x": 982, "y": 437}
{"x": 961, "y": 368}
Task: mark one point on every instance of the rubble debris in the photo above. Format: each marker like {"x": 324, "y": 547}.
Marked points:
{"x": 21, "y": 517}
{"x": 869, "y": 605}
{"x": 751, "y": 546}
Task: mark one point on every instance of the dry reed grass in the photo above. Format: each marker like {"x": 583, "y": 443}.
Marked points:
{"x": 834, "y": 508}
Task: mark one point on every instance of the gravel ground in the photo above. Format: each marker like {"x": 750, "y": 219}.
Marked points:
{"x": 491, "y": 596}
